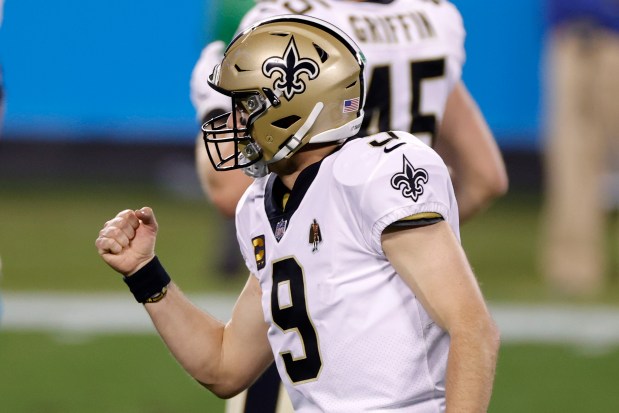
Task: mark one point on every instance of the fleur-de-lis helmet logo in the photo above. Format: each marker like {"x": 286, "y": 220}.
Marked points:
{"x": 410, "y": 181}
{"x": 290, "y": 67}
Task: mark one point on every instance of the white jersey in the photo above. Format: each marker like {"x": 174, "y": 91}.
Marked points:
{"x": 414, "y": 51}
{"x": 347, "y": 333}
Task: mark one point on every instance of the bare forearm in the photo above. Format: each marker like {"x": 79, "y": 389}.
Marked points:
{"x": 193, "y": 337}
{"x": 480, "y": 175}
{"x": 467, "y": 145}
{"x": 213, "y": 353}
{"x": 474, "y": 194}
{"x": 471, "y": 369}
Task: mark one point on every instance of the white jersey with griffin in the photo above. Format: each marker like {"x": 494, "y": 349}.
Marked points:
{"x": 347, "y": 333}
{"x": 416, "y": 47}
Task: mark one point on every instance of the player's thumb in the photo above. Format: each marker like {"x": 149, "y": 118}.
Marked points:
{"x": 147, "y": 216}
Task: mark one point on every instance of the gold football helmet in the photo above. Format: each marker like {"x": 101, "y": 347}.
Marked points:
{"x": 293, "y": 80}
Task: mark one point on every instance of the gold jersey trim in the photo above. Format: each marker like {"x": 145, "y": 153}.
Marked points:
{"x": 422, "y": 215}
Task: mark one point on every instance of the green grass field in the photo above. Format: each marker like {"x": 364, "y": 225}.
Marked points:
{"x": 47, "y": 238}
{"x": 48, "y": 235}
{"x": 134, "y": 374}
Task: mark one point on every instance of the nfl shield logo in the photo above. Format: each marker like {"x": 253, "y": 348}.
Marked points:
{"x": 280, "y": 229}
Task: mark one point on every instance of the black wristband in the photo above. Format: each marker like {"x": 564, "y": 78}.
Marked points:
{"x": 149, "y": 283}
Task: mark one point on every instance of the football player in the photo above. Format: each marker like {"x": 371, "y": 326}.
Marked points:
{"x": 415, "y": 53}
{"x": 378, "y": 309}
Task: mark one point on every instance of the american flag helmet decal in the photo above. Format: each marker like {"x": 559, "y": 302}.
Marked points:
{"x": 351, "y": 105}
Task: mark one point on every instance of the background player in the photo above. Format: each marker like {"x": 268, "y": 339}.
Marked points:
{"x": 582, "y": 146}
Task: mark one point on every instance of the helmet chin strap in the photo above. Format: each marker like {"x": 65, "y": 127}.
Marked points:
{"x": 338, "y": 134}
{"x": 255, "y": 170}
{"x": 260, "y": 169}
{"x": 296, "y": 139}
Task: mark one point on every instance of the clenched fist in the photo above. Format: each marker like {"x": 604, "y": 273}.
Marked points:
{"x": 127, "y": 242}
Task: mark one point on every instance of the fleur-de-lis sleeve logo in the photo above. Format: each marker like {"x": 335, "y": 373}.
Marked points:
{"x": 410, "y": 181}
{"x": 290, "y": 66}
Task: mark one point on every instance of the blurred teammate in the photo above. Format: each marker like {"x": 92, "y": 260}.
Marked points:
{"x": 582, "y": 148}
{"x": 379, "y": 312}
{"x": 415, "y": 52}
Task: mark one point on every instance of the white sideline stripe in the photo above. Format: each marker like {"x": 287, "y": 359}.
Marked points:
{"x": 105, "y": 313}
{"x": 96, "y": 313}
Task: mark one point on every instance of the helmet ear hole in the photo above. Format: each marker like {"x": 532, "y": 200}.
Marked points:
{"x": 285, "y": 123}
{"x": 322, "y": 54}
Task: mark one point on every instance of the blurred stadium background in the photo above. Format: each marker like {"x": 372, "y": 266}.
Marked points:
{"x": 98, "y": 119}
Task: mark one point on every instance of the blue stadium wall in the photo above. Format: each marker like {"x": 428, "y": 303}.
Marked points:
{"x": 119, "y": 70}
